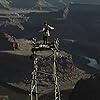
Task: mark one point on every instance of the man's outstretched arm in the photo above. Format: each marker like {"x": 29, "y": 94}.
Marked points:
{"x": 52, "y": 28}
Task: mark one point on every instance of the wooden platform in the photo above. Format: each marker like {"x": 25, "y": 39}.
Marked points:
{"x": 42, "y": 47}
{"x": 43, "y": 50}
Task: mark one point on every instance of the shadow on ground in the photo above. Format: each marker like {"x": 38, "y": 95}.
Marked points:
{"x": 14, "y": 68}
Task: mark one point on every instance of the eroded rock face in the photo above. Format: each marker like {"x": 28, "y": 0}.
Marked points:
{"x": 88, "y": 89}
{"x": 4, "y": 43}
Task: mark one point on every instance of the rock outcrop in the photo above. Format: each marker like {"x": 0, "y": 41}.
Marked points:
{"x": 88, "y": 89}
{"x": 4, "y": 43}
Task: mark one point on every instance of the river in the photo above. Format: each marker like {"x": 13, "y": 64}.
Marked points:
{"x": 93, "y": 63}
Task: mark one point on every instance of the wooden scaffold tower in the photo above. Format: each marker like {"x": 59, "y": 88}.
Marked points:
{"x": 35, "y": 58}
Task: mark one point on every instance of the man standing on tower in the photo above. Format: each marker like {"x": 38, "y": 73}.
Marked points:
{"x": 46, "y": 32}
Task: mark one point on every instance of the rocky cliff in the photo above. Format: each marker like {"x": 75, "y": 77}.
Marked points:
{"x": 88, "y": 89}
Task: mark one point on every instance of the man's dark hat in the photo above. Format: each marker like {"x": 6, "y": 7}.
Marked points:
{"x": 45, "y": 22}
